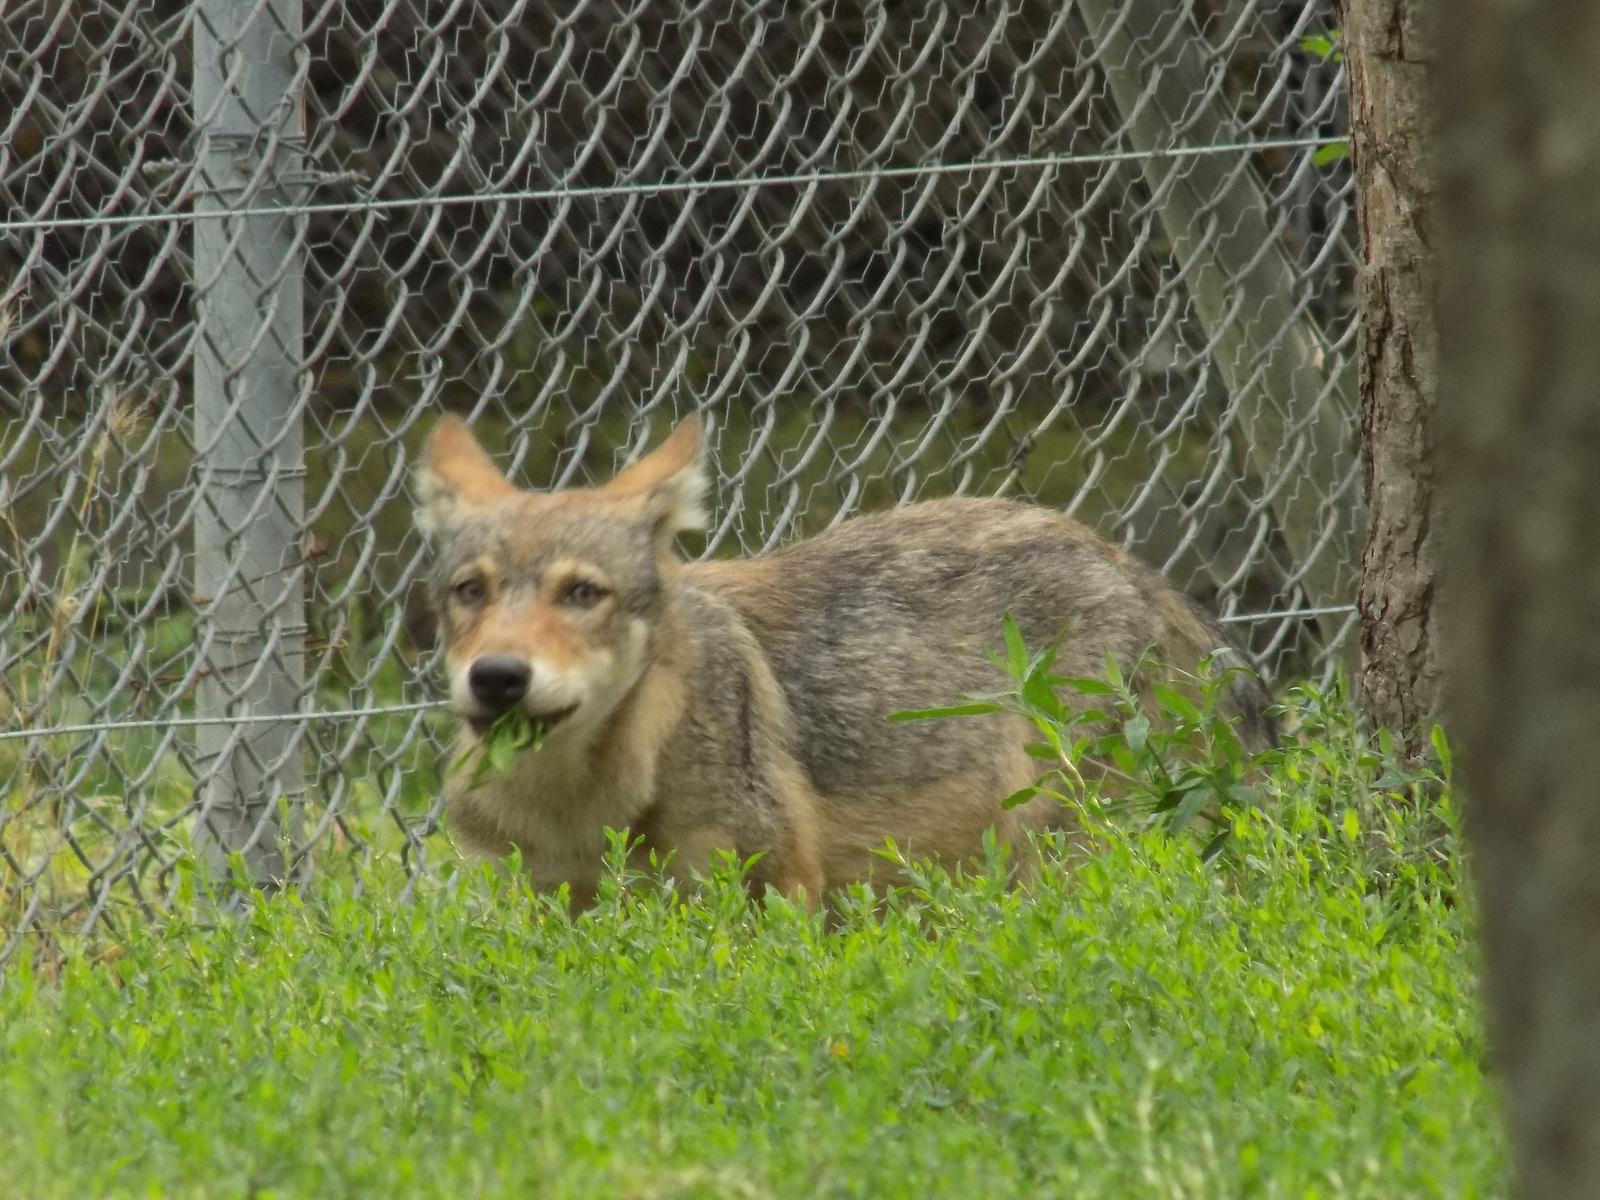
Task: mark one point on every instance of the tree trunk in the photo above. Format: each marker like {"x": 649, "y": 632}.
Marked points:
{"x": 1387, "y": 56}
{"x": 1519, "y": 324}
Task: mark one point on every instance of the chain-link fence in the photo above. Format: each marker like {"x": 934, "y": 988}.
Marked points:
{"x": 1095, "y": 253}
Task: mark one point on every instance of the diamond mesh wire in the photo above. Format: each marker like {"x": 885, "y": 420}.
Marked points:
{"x": 1097, "y": 254}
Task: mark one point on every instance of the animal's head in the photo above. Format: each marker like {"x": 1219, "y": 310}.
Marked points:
{"x": 548, "y": 601}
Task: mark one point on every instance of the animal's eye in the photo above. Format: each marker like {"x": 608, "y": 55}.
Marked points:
{"x": 581, "y": 593}
{"x": 468, "y": 591}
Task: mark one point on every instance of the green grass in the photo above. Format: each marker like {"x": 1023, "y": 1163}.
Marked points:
{"x": 1296, "y": 1018}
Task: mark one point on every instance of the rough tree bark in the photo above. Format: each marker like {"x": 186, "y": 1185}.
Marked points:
{"x": 1387, "y": 57}
{"x": 1518, "y": 105}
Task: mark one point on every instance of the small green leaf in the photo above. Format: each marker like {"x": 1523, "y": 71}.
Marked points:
{"x": 1021, "y": 796}
{"x": 1325, "y": 46}
{"x": 1189, "y": 808}
{"x": 501, "y": 755}
{"x": 1168, "y": 800}
{"x": 1044, "y": 661}
{"x": 1332, "y": 152}
{"x": 1227, "y": 742}
{"x": 1025, "y": 1022}
{"x": 1016, "y": 650}
{"x": 1175, "y": 701}
{"x": 1215, "y": 845}
{"x": 1246, "y": 795}
{"x": 511, "y": 733}
{"x": 1042, "y": 696}
{"x": 1137, "y": 731}
{"x": 954, "y": 710}
{"x": 1090, "y": 687}
{"x": 1441, "y": 747}
{"x": 1352, "y": 825}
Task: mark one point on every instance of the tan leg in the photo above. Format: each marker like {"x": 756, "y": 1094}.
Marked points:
{"x": 801, "y": 881}
{"x": 799, "y": 876}
{"x": 472, "y": 834}
{"x": 580, "y": 896}
{"x": 694, "y": 851}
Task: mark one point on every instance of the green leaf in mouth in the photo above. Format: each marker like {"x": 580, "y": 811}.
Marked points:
{"x": 512, "y": 732}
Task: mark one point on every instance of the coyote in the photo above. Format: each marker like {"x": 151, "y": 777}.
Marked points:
{"x": 741, "y": 705}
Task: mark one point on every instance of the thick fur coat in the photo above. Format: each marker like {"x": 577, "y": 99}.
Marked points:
{"x": 742, "y": 705}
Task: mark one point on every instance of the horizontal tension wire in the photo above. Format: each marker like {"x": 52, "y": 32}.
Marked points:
{"x": 602, "y": 191}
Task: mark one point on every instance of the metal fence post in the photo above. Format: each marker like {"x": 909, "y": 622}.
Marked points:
{"x": 248, "y": 358}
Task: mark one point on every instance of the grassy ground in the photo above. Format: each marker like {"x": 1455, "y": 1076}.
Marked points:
{"x": 1296, "y": 1017}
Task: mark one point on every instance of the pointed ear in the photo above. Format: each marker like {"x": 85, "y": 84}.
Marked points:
{"x": 455, "y": 474}
{"x": 669, "y": 484}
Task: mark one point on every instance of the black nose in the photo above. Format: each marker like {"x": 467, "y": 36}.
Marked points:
{"x": 498, "y": 681}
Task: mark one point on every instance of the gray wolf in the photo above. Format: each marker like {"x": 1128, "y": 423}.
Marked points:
{"x": 741, "y": 705}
